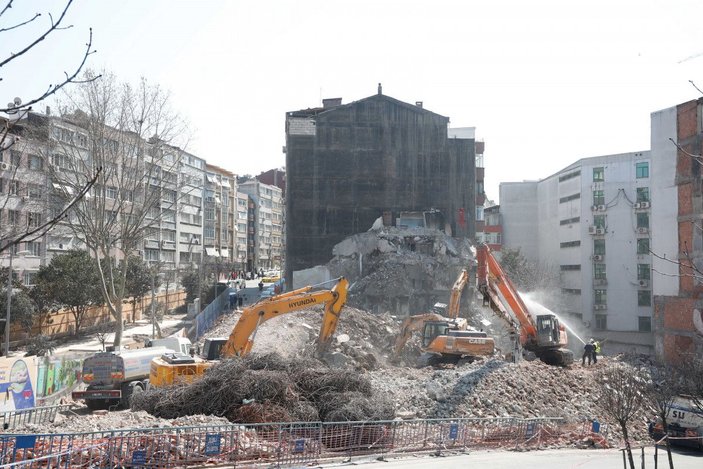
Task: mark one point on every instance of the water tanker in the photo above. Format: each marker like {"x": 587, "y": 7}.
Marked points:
{"x": 113, "y": 377}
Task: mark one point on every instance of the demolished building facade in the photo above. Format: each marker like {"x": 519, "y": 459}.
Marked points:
{"x": 348, "y": 165}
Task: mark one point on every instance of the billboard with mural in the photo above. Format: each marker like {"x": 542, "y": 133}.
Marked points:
{"x": 18, "y": 377}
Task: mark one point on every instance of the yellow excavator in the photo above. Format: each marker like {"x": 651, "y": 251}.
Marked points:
{"x": 176, "y": 368}
{"x": 446, "y": 337}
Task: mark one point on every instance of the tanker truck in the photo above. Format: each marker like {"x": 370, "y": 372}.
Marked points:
{"x": 113, "y": 377}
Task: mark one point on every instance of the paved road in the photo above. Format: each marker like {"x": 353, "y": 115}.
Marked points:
{"x": 547, "y": 459}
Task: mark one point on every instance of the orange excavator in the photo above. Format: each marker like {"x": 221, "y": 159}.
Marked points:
{"x": 542, "y": 334}
{"x": 446, "y": 337}
{"x": 177, "y": 368}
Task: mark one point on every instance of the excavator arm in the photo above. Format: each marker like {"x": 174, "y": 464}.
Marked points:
{"x": 499, "y": 290}
{"x": 410, "y": 325}
{"x": 242, "y": 337}
{"x": 457, "y": 290}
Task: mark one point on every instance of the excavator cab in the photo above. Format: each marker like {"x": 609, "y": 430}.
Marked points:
{"x": 547, "y": 329}
{"x": 432, "y": 330}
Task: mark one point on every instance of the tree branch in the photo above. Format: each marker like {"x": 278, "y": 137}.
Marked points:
{"x": 7, "y": 7}
{"x": 69, "y": 79}
{"x": 53, "y": 27}
{"x": 36, "y": 15}
{"x": 697, "y": 158}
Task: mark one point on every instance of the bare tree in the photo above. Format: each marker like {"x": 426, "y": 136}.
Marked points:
{"x": 129, "y": 132}
{"x": 621, "y": 395}
{"x": 663, "y": 389}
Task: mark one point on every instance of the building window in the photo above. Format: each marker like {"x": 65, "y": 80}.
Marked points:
{"x": 599, "y": 197}
{"x": 599, "y": 247}
{"x": 34, "y": 191}
{"x": 570, "y": 244}
{"x": 36, "y": 162}
{"x": 34, "y": 248}
{"x": 15, "y": 158}
{"x": 209, "y": 214}
{"x": 569, "y": 175}
{"x": 571, "y": 291}
{"x": 643, "y": 246}
{"x": 13, "y": 217}
{"x": 599, "y": 221}
{"x": 601, "y": 297}
{"x": 569, "y": 198}
{"x": 29, "y": 279}
{"x": 642, "y": 170}
{"x": 14, "y": 187}
{"x": 645, "y": 324}
{"x": 35, "y": 220}
{"x": 568, "y": 267}
{"x": 569, "y": 221}
{"x": 642, "y": 220}
{"x": 111, "y": 192}
{"x": 644, "y": 298}
{"x": 151, "y": 255}
{"x": 643, "y": 272}
{"x": 601, "y": 322}
{"x": 643, "y": 194}
{"x": 209, "y": 232}
{"x": 599, "y": 271}
{"x": 598, "y": 174}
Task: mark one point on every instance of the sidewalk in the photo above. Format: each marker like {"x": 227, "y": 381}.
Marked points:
{"x": 142, "y": 327}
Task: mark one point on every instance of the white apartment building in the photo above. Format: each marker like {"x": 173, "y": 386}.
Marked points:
{"x": 267, "y": 226}
{"x": 592, "y": 223}
{"x": 220, "y": 221}
{"x": 29, "y": 196}
{"x": 241, "y": 213}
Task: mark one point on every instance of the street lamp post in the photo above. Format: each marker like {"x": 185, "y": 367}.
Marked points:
{"x": 8, "y": 303}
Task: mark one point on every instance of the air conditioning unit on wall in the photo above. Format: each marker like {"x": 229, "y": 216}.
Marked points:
{"x": 597, "y": 257}
{"x": 4, "y": 166}
{"x": 643, "y": 283}
{"x": 642, "y": 230}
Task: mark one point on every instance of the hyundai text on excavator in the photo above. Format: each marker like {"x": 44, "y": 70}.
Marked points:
{"x": 446, "y": 337}
{"x": 543, "y": 334}
{"x": 170, "y": 369}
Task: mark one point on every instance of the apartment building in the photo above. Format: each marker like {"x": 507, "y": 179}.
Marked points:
{"x": 266, "y": 227}
{"x": 242, "y": 259}
{"x": 35, "y": 184}
{"x": 592, "y": 223}
{"x": 220, "y": 214}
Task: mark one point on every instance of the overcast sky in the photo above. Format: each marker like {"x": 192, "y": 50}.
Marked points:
{"x": 545, "y": 82}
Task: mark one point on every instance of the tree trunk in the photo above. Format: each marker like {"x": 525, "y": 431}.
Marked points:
{"x": 668, "y": 443}
{"x": 628, "y": 448}
{"x": 119, "y": 327}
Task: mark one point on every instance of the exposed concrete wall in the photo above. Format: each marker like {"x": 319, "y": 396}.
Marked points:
{"x": 312, "y": 276}
{"x": 518, "y": 207}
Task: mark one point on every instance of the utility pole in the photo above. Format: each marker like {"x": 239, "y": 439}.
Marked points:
{"x": 9, "y": 306}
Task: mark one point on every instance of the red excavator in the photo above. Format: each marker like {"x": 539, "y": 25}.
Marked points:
{"x": 542, "y": 334}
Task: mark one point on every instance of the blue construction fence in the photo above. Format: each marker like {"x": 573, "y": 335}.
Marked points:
{"x": 208, "y": 316}
{"x": 279, "y": 444}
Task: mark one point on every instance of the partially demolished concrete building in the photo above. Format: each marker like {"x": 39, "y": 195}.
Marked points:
{"x": 347, "y": 165}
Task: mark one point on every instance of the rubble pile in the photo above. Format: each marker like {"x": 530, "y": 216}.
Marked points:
{"x": 402, "y": 271}
{"x": 270, "y": 388}
{"x": 495, "y": 388}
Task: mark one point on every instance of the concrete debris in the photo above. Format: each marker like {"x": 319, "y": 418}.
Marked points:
{"x": 393, "y": 273}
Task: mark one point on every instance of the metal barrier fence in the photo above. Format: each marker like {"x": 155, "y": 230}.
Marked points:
{"x": 276, "y": 444}
{"x": 12, "y": 419}
{"x": 207, "y": 317}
